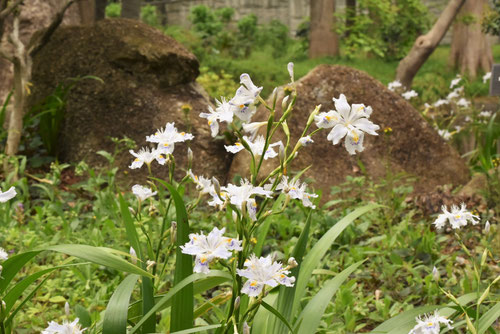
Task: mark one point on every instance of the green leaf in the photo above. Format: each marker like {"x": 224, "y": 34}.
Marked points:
{"x": 84, "y": 315}
{"x": 314, "y": 256}
{"x": 98, "y": 255}
{"x": 115, "y": 318}
{"x": 24, "y": 301}
{"x": 181, "y": 316}
{"x": 287, "y": 294}
{"x": 130, "y": 229}
{"x": 175, "y": 291}
{"x": 12, "y": 266}
{"x": 277, "y": 314}
{"x": 488, "y": 318}
{"x": 261, "y": 321}
{"x": 197, "y": 329}
{"x": 313, "y": 312}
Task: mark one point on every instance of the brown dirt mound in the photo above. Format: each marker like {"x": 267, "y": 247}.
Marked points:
{"x": 147, "y": 78}
{"x": 413, "y": 147}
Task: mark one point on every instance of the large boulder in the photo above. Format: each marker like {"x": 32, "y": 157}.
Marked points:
{"x": 413, "y": 146}
{"x": 147, "y": 76}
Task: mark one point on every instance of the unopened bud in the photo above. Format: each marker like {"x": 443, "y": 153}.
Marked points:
{"x": 150, "y": 264}
{"x": 487, "y": 228}
{"x": 246, "y": 328}
{"x": 292, "y": 263}
{"x": 133, "y": 255}
{"x": 173, "y": 232}
{"x": 314, "y": 113}
{"x": 484, "y": 257}
{"x": 275, "y": 96}
{"x": 281, "y": 153}
{"x": 190, "y": 156}
{"x": 235, "y": 215}
{"x": 216, "y": 184}
{"x": 237, "y": 303}
{"x": 66, "y": 309}
{"x": 132, "y": 211}
{"x": 284, "y": 103}
{"x": 290, "y": 70}
{"x": 435, "y": 274}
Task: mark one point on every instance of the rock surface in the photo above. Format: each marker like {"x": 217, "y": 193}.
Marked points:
{"x": 413, "y": 147}
{"x": 147, "y": 78}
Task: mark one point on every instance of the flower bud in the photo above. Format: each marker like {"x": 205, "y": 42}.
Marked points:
{"x": 378, "y": 294}
{"x": 275, "y": 96}
{"x": 66, "y": 309}
{"x": 292, "y": 263}
{"x": 190, "y": 157}
{"x": 237, "y": 303}
{"x": 484, "y": 257}
{"x": 284, "y": 103}
{"x": 281, "y": 153}
{"x": 487, "y": 227}
{"x": 132, "y": 211}
{"x": 216, "y": 184}
{"x": 133, "y": 255}
{"x": 290, "y": 70}
{"x": 435, "y": 274}
{"x": 246, "y": 328}
{"x": 314, "y": 113}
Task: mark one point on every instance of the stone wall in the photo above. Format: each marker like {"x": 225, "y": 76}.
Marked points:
{"x": 290, "y": 12}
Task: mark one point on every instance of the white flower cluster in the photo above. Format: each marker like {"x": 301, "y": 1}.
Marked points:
{"x": 347, "y": 121}
{"x": 430, "y": 324}
{"x": 142, "y": 193}
{"x": 263, "y": 271}
{"x": 165, "y": 140}
{"x": 457, "y": 217}
{"x": 396, "y": 86}
{"x": 242, "y": 105}
{"x": 207, "y": 248}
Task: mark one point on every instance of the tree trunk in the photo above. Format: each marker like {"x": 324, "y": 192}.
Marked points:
{"x": 131, "y": 9}
{"x": 323, "y": 40}
{"x": 470, "y": 49}
{"x": 100, "y": 9}
{"x": 86, "y": 8}
{"x": 425, "y": 44}
{"x": 161, "y": 12}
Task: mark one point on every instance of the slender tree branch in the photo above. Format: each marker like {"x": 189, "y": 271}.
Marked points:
{"x": 39, "y": 43}
{"x": 4, "y": 13}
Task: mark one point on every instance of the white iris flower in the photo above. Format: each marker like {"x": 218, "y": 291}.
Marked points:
{"x": 244, "y": 101}
{"x": 239, "y": 195}
{"x": 430, "y": 324}
{"x": 146, "y": 156}
{"x": 65, "y": 328}
{"x": 223, "y": 113}
{"x": 348, "y": 121}
{"x": 8, "y": 195}
{"x": 256, "y": 146}
{"x": 142, "y": 192}
{"x": 457, "y": 217}
{"x": 440, "y": 102}
{"x": 486, "y": 77}
{"x": 305, "y": 141}
{"x": 203, "y": 184}
{"x": 263, "y": 271}
{"x": 296, "y": 190}
{"x": 207, "y": 248}
{"x": 455, "y": 81}
{"x": 167, "y": 137}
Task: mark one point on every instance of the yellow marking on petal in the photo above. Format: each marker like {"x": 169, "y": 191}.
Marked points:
{"x": 242, "y": 106}
{"x": 254, "y": 283}
{"x": 361, "y": 108}
{"x": 203, "y": 260}
{"x": 228, "y": 240}
{"x": 161, "y": 157}
{"x": 166, "y": 144}
{"x": 282, "y": 276}
{"x": 237, "y": 144}
{"x": 183, "y": 133}
{"x": 137, "y": 159}
{"x": 457, "y": 216}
